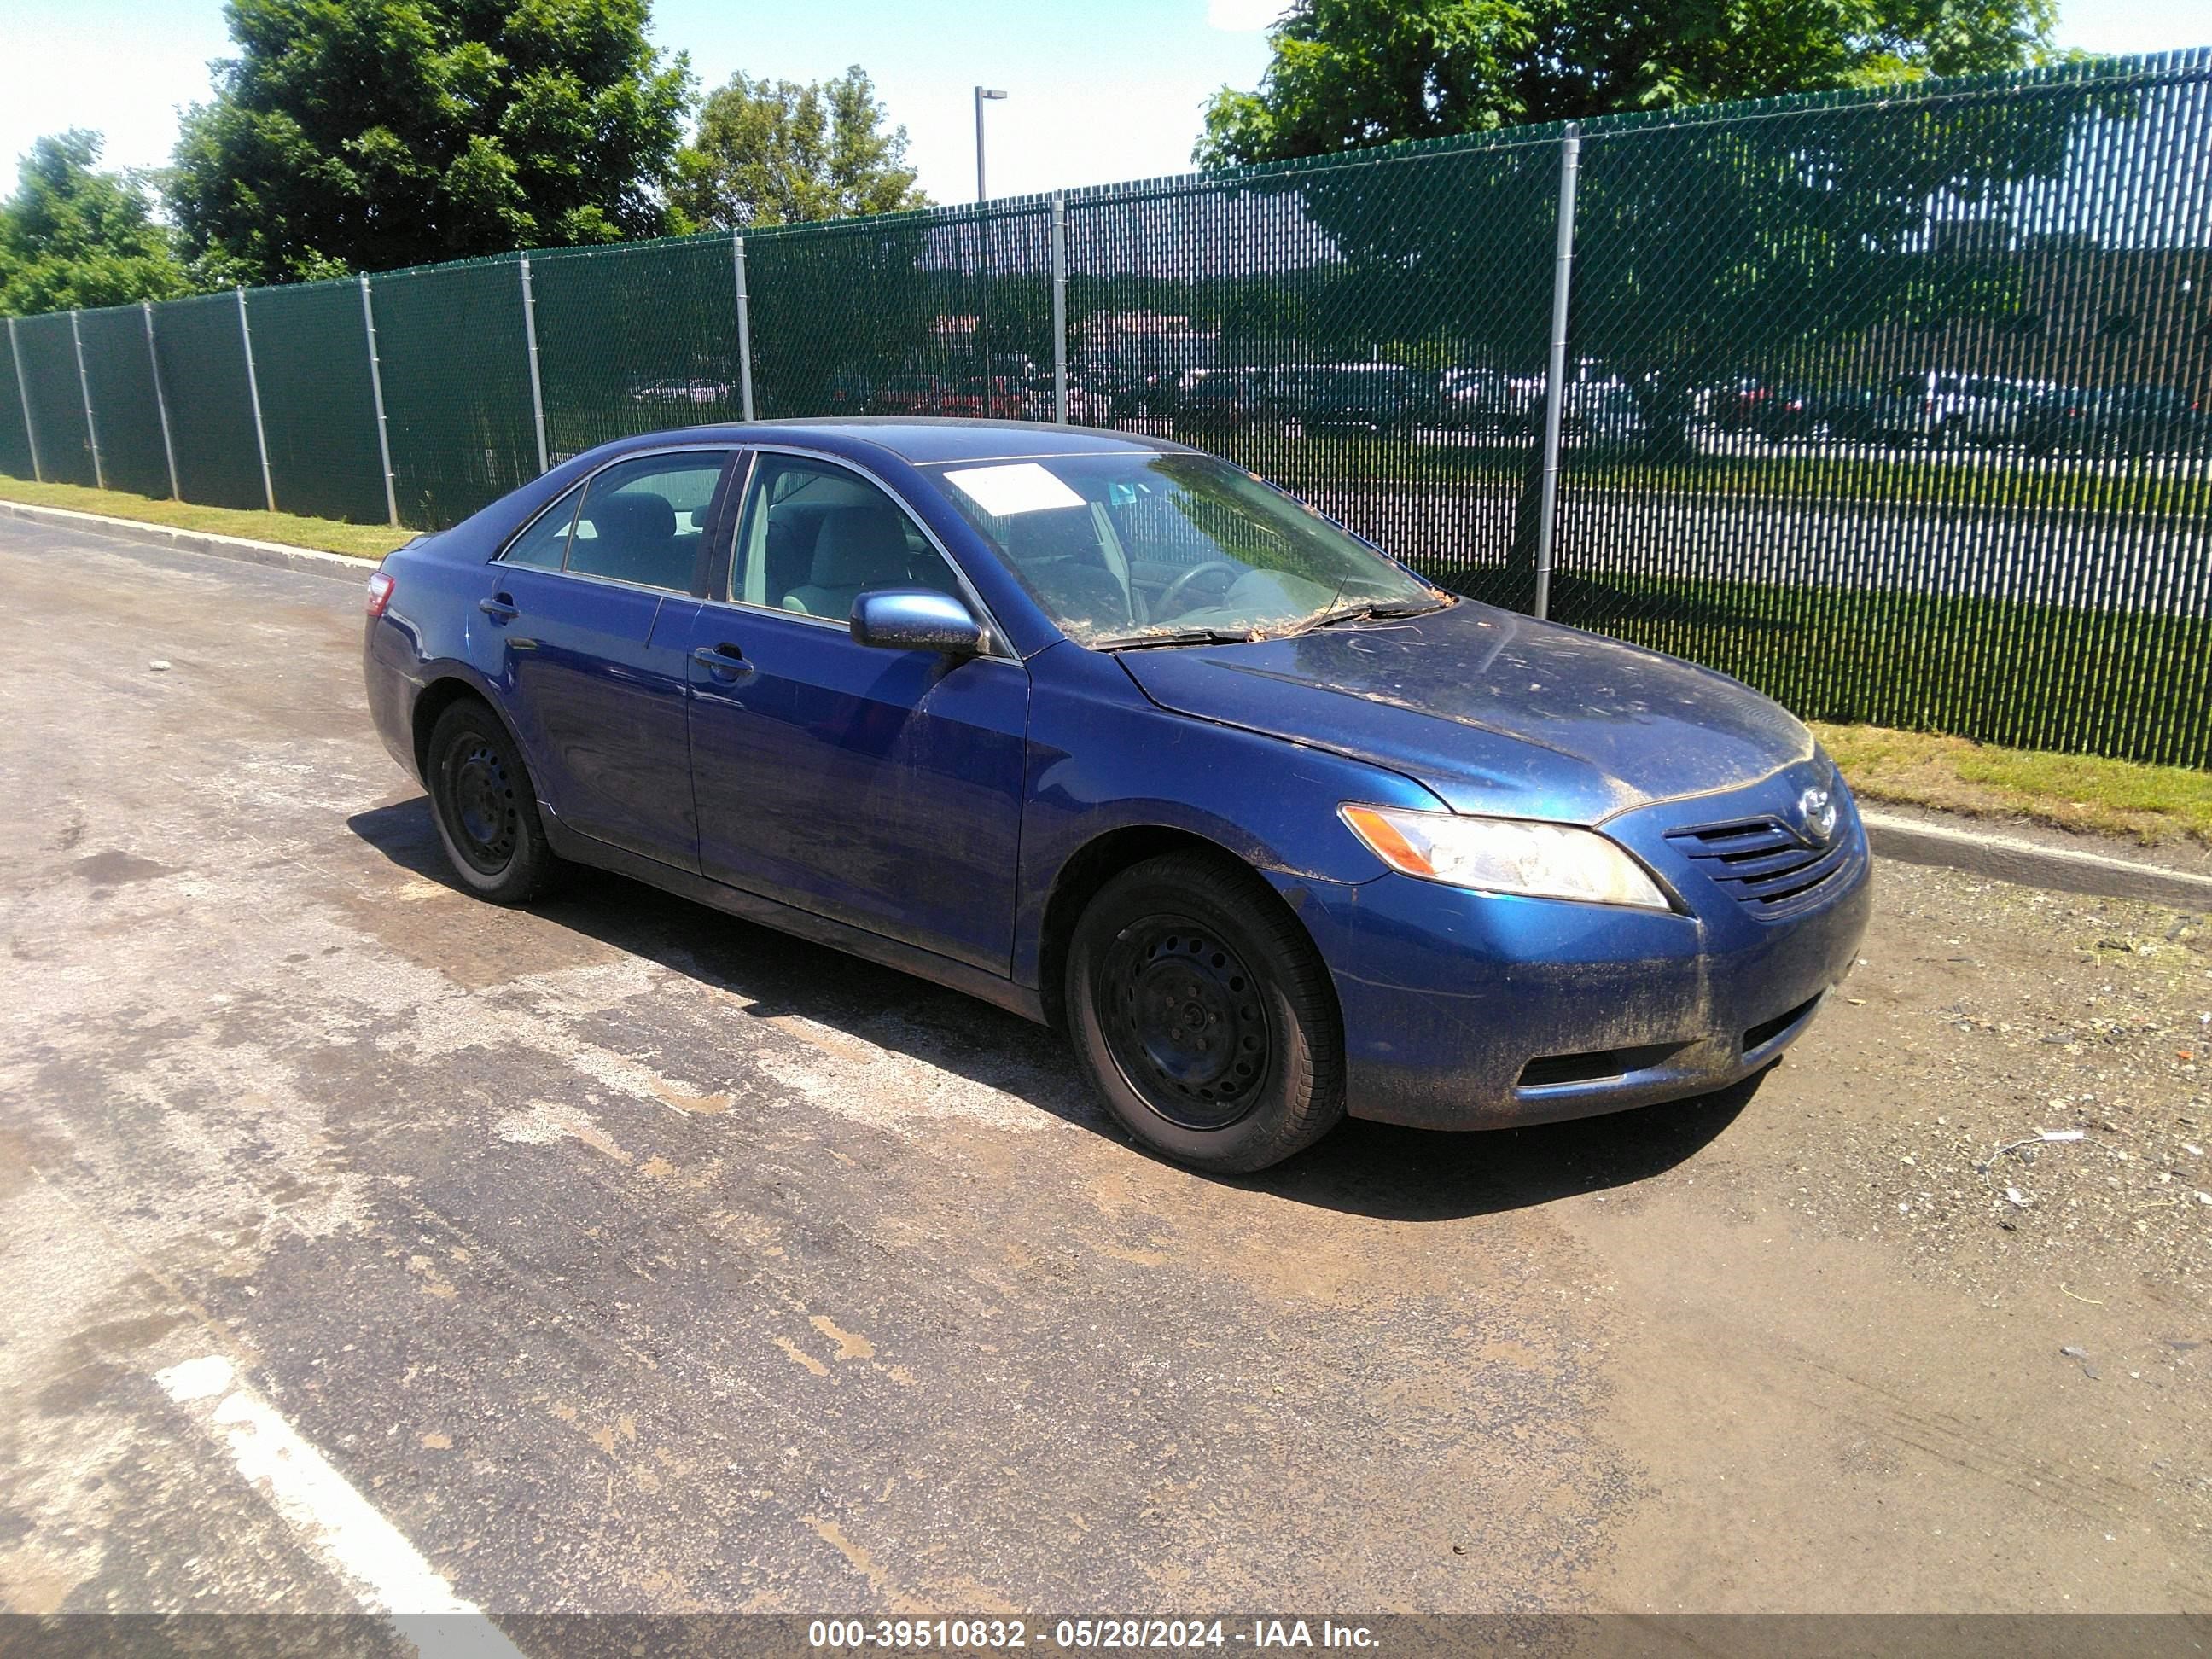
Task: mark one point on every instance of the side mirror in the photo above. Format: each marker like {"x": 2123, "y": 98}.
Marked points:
{"x": 916, "y": 619}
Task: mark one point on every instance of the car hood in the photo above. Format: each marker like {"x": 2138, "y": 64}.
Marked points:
{"x": 1494, "y": 712}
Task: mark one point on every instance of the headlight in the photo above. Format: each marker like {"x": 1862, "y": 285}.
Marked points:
{"x": 1505, "y": 855}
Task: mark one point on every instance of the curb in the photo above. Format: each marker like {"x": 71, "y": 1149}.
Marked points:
{"x": 2030, "y": 864}
{"x": 1910, "y": 840}
{"x": 341, "y": 567}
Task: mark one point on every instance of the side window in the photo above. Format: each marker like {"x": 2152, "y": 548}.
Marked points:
{"x": 642, "y": 520}
{"x": 815, "y": 536}
{"x": 545, "y": 542}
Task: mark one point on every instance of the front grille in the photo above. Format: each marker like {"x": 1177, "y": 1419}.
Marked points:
{"x": 1765, "y": 863}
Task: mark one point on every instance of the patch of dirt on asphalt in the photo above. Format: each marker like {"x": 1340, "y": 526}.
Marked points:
{"x": 2013, "y": 1084}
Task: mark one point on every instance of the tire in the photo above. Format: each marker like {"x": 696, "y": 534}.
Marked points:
{"x": 486, "y": 808}
{"x": 1204, "y": 1016}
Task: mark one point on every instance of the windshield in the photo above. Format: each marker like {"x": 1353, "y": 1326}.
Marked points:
{"x": 1128, "y": 549}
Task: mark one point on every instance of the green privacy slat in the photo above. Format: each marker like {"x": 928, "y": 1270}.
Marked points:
{"x": 14, "y": 439}
{"x": 49, "y": 351}
{"x": 1901, "y": 413}
{"x": 202, "y": 356}
{"x": 1365, "y": 334}
{"x": 311, "y": 362}
{"x": 636, "y": 339}
{"x": 120, "y": 372}
{"x": 456, "y": 386}
{"x": 1896, "y": 403}
{"x": 900, "y": 315}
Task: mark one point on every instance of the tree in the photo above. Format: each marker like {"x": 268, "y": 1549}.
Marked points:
{"x": 73, "y": 237}
{"x": 1350, "y": 73}
{"x": 370, "y": 134}
{"x": 774, "y": 152}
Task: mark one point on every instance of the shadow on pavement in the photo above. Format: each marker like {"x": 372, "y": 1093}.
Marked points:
{"x": 1364, "y": 1169}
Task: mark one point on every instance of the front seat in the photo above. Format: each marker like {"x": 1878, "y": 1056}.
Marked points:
{"x": 857, "y": 548}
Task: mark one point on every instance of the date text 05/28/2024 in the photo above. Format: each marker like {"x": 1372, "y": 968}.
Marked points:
{"x": 957, "y": 1635}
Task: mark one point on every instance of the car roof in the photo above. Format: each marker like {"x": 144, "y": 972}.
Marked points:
{"x": 920, "y": 442}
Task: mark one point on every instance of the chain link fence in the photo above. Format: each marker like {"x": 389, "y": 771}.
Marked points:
{"x": 1898, "y": 405}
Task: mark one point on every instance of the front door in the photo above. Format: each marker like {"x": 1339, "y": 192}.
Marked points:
{"x": 880, "y": 789}
{"x": 589, "y": 614}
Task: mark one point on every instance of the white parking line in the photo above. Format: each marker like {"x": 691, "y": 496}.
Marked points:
{"x": 334, "y": 1520}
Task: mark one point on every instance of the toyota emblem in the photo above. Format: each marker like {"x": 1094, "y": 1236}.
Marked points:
{"x": 1816, "y": 810}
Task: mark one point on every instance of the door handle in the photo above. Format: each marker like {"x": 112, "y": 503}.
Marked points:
{"x": 499, "y": 608}
{"x": 725, "y": 661}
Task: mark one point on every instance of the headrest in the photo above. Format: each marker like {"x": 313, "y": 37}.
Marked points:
{"x": 632, "y": 517}
{"x": 1067, "y": 533}
{"x": 858, "y": 546}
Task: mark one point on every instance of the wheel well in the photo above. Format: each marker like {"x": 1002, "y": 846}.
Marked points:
{"x": 1095, "y": 864}
{"x": 435, "y": 699}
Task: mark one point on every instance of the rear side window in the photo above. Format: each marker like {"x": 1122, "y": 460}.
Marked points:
{"x": 545, "y": 544}
{"x": 643, "y": 521}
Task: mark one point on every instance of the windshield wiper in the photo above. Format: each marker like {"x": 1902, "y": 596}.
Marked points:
{"x": 1182, "y": 636}
{"x": 1364, "y": 612}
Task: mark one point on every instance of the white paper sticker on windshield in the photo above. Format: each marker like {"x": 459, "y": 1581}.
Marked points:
{"x": 1016, "y": 487}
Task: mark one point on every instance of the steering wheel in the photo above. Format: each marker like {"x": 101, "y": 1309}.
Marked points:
{"x": 1174, "y": 589}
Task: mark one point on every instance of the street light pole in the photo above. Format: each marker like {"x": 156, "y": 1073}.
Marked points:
{"x": 981, "y": 93}
{"x": 983, "y": 254}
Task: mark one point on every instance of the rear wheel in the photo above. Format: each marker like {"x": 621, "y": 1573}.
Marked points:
{"x": 1203, "y": 1015}
{"x": 485, "y": 808}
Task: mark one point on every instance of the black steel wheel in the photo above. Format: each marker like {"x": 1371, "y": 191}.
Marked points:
{"x": 1203, "y": 1015}
{"x": 485, "y": 807}
{"x": 1184, "y": 1019}
{"x": 487, "y": 822}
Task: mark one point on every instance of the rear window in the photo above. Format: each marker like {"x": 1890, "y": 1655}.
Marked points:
{"x": 644, "y": 520}
{"x": 544, "y": 544}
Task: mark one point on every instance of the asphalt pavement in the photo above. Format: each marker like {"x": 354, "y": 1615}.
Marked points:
{"x": 616, "y": 1255}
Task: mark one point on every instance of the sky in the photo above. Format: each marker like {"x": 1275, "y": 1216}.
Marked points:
{"x": 1097, "y": 90}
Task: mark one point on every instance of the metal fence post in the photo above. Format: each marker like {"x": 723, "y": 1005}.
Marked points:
{"x": 253, "y": 391}
{"x": 1059, "y": 308}
{"x": 23, "y": 391}
{"x": 1555, "y": 373}
{"x": 744, "y": 330}
{"x": 537, "y": 386}
{"x": 84, "y": 388}
{"x": 161, "y": 400}
{"x": 376, "y": 396}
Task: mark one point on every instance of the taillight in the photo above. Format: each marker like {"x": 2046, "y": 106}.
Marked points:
{"x": 380, "y": 588}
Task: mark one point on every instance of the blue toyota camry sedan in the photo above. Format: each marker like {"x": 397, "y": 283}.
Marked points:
{"x": 1114, "y": 734}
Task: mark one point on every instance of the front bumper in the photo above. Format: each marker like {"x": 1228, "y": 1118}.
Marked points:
{"x": 1467, "y": 1010}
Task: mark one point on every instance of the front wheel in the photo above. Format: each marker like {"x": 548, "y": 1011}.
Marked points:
{"x": 1203, "y": 1015}
{"x": 485, "y": 808}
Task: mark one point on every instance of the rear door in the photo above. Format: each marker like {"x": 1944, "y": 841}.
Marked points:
{"x": 880, "y": 789}
{"x": 589, "y": 614}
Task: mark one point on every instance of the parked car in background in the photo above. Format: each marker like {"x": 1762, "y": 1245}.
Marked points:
{"x": 1754, "y": 406}
{"x": 2129, "y": 420}
{"x": 1488, "y": 400}
{"x": 1089, "y": 403}
{"x": 848, "y": 394}
{"x": 1228, "y": 399}
{"x": 697, "y": 390}
{"x": 1090, "y": 399}
{"x": 1000, "y": 397}
{"x": 1606, "y": 411}
{"x": 1142, "y": 389}
{"x": 1779, "y": 413}
{"x": 909, "y": 394}
{"x": 1953, "y": 410}
{"x": 1112, "y": 734}
{"x": 1368, "y": 397}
